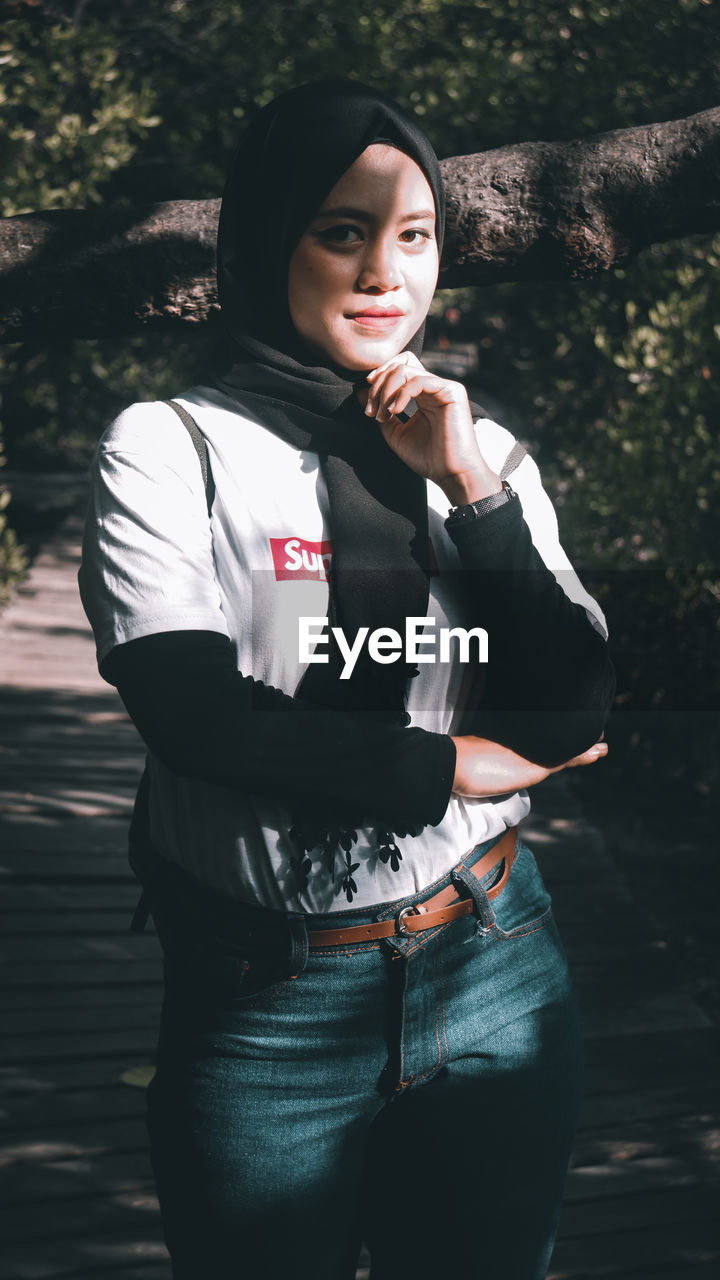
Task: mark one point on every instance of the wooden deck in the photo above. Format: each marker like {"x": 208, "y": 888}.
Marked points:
{"x": 79, "y": 998}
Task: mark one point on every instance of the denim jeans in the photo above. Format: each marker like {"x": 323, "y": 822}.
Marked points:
{"x": 418, "y": 1092}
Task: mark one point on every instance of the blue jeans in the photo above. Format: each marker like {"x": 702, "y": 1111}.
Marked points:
{"x": 417, "y": 1092}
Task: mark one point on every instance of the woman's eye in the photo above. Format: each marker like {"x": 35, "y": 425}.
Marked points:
{"x": 415, "y": 236}
{"x": 342, "y": 234}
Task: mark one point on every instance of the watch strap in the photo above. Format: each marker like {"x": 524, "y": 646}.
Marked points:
{"x": 483, "y": 506}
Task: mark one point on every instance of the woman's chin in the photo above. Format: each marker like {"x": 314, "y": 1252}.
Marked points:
{"x": 356, "y": 357}
{"x": 368, "y": 355}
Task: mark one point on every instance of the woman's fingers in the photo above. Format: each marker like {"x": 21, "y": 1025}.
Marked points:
{"x": 402, "y": 358}
{"x": 384, "y": 389}
{"x": 386, "y": 382}
{"x": 484, "y": 768}
{"x": 390, "y": 385}
{"x": 438, "y": 441}
{"x": 596, "y": 752}
{"x": 399, "y": 386}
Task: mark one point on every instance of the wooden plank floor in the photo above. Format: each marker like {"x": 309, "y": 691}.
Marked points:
{"x": 79, "y": 998}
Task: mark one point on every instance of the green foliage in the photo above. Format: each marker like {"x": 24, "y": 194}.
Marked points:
{"x": 617, "y": 383}
{"x": 655, "y": 444}
{"x": 54, "y": 403}
{"x": 13, "y": 561}
{"x": 158, "y": 92}
{"x": 73, "y": 115}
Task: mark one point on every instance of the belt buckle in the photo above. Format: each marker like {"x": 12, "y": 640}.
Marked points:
{"x": 400, "y": 926}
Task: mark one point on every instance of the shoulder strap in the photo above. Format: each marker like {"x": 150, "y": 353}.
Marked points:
{"x": 201, "y": 449}
{"x": 142, "y": 854}
{"x": 513, "y": 460}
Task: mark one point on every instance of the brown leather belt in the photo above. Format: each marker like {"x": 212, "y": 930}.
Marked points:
{"x": 440, "y": 909}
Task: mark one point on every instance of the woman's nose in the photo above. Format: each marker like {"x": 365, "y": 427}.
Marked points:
{"x": 380, "y": 270}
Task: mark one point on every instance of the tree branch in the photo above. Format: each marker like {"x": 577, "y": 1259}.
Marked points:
{"x": 549, "y": 210}
{"x": 536, "y": 210}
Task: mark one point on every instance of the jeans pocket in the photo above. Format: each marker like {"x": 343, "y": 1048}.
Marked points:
{"x": 523, "y": 904}
{"x": 220, "y": 974}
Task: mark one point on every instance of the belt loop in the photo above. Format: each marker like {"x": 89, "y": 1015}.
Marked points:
{"x": 484, "y": 916}
{"x": 464, "y": 874}
{"x": 298, "y": 944}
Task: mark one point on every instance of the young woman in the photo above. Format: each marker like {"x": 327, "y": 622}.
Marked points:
{"x": 368, "y": 1028}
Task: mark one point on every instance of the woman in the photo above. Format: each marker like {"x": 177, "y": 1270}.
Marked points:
{"x": 368, "y": 1029}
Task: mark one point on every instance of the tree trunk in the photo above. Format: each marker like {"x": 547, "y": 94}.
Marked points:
{"x": 535, "y": 210}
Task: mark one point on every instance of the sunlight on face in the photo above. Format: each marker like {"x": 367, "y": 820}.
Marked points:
{"x": 364, "y": 272}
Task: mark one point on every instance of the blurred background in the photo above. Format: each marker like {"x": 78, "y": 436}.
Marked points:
{"x": 613, "y": 382}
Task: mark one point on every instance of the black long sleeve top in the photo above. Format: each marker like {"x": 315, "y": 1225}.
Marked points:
{"x": 548, "y": 691}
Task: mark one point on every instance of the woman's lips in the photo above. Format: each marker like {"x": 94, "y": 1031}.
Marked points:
{"x": 376, "y": 318}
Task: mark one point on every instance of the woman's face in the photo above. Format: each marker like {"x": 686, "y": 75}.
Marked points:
{"x": 363, "y": 274}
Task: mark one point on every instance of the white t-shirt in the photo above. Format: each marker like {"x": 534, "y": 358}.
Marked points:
{"x": 153, "y": 561}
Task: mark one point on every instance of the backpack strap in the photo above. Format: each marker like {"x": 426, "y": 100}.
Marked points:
{"x": 142, "y": 855}
{"x": 513, "y": 460}
{"x": 201, "y": 449}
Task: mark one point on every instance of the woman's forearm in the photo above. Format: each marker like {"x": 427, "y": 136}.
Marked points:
{"x": 204, "y": 719}
{"x": 484, "y": 768}
{"x": 549, "y": 682}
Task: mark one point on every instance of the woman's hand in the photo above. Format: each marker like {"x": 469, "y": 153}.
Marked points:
{"x": 439, "y": 440}
{"x": 484, "y": 768}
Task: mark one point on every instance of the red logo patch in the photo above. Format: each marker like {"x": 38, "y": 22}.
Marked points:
{"x": 298, "y": 558}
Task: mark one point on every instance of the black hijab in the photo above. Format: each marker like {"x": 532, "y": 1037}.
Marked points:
{"x": 292, "y": 155}
{"x": 288, "y": 161}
